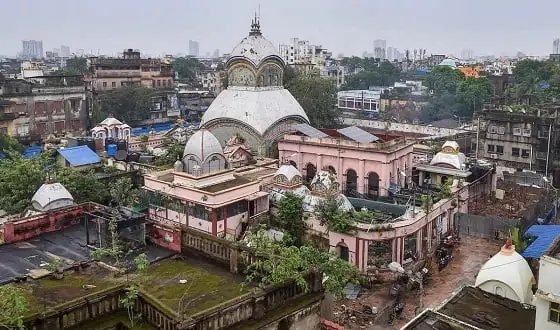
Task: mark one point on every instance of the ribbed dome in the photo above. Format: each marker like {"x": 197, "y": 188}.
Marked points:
{"x": 289, "y": 171}
{"x": 51, "y": 196}
{"x": 202, "y": 144}
{"x": 255, "y": 48}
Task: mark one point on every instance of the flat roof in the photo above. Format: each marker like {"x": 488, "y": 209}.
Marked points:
{"x": 69, "y": 244}
{"x": 487, "y": 311}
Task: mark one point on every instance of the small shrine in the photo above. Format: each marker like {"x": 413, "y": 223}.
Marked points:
{"x": 448, "y": 165}
{"x": 111, "y": 127}
{"x": 237, "y": 153}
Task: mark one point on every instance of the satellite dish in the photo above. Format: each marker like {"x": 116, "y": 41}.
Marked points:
{"x": 121, "y": 155}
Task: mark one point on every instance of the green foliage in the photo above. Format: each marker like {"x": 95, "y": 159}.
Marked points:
{"x": 128, "y": 301}
{"x": 187, "y": 68}
{"x": 445, "y": 190}
{"x": 13, "y": 306}
{"x": 141, "y": 262}
{"x": 19, "y": 180}
{"x": 83, "y": 186}
{"x": 55, "y": 265}
{"x": 123, "y": 192}
{"x": 328, "y": 213}
{"x": 64, "y": 78}
{"x": 373, "y": 74}
{"x": 77, "y": 65}
{"x": 115, "y": 249}
{"x": 520, "y": 241}
{"x": 427, "y": 203}
{"x": 529, "y": 75}
{"x": 277, "y": 264}
{"x": 290, "y": 212}
{"x": 453, "y": 94}
{"x": 9, "y": 144}
{"x": 128, "y": 103}
{"x": 317, "y": 96}
{"x": 174, "y": 152}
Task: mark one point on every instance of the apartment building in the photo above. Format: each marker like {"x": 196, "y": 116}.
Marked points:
{"x": 517, "y": 139}
{"x": 130, "y": 69}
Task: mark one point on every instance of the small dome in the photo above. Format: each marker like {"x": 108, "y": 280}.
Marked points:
{"x": 449, "y": 62}
{"x": 51, "y": 196}
{"x": 289, "y": 171}
{"x": 455, "y": 161}
{"x": 255, "y": 48}
{"x": 110, "y": 121}
{"x": 325, "y": 182}
{"x": 203, "y": 144}
{"x": 178, "y": 166}
{"x": 509, "y": 271}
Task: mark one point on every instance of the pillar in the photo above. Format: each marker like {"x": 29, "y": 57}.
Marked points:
{"x": 361, "y": 176}
{"x": 214, "y": 217}
{"x": 399, "y": 245}
{"x": 419, "y": 243}
{"x": 319, "y": 162}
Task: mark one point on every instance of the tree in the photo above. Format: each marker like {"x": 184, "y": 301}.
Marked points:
{"x": 127, "y": 103}
{"x": 329, "y": 215}
{"x": 187, "y": 68}
{"x": 13, "y": 306}
{"x": 535, "y": 82}
{"x": 9, "y": 144}
{"x": 123, "y": 192}
{"x": 128, "y": 301}
{"x": 278, "y": 264}
{"x": 317, "y": 96}
{"x": 19, "y": 180}
{"x": 114, "y": 249}
{"x": 444, "y": 79}
{"x": 290, "y": 212}
{"x": 141, "y": 262}
{"x": 373, "y": 73}
{"x": 472, "y": 93}
{"x": 174, "y": 152}
{"x": 83, "y": 186}
{"x": 77, "y": 65}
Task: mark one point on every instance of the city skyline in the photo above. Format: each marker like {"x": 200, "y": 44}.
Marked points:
{"x": 435, "y": 26}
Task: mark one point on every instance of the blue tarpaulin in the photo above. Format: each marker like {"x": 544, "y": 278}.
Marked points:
{"x": 546, "y": 235}
{"x": 32, "y": 152}
{"x": 79, "y": 156}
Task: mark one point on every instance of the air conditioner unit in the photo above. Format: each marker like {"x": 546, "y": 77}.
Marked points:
{"x": 494, "y": 156}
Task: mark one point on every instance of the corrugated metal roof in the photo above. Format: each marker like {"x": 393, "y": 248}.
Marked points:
{"x": 546, "y": 235}
{"x": 357, "y": 134}
{"x": 79, "y": 156}
{"x": 309, "y": 131}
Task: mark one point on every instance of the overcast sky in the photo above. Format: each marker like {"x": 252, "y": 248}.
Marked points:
{"x": 487, "y": 26}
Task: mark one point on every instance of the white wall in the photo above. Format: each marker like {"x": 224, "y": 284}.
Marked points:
{"x": 499, "y": 288}
{"x": 549, "y": 285}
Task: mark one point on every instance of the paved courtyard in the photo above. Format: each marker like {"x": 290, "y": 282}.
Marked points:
{"x": 468, "y": 257}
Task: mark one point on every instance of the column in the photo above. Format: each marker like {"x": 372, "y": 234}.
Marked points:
{"x": 361, "y": 176}
{"x": 214, "y": 217}
{"x": 319, "y": 162}
{"x": 419, "y": 243}
{"x": 340, "y": 172}
{"x": 399, "y": 243}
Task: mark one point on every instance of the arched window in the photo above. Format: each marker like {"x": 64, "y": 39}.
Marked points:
{"x": 373, "y": 185}
{"x": 351, "y": 182}
{"x": 293, "y": 163}
{"x": 311, "y": 170}
{"x": 331, "y": 169}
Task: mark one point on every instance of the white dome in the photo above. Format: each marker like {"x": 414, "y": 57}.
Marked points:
{"x": 255, "y": 48}
{"x": 289, "y": 171}
{"x": 110, "y": 121}
{"x": 51, "y": 196}
{"x": 259, "y": 109}
{"x": 507, "y": 270}
{"x": 454, "y": 160}
{"x": 203, "y": 144}
{"x": 448, "y": 62}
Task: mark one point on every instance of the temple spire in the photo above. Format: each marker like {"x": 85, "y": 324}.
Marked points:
{"x": 255, "y": 26}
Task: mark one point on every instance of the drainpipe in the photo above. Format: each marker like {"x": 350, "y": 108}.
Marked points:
{"x": 477, "y": 136}
{"x": 548, "y": 150}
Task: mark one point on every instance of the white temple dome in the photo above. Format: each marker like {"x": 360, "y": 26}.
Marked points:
{"x": 255, "y": 48}
{"x": 51, "y": 196}
{"x": 110, "y": 121}
{"x": 203, "y": 144}
{"x": 287, "y": 170}
{"x": 449, "y": 156}
{"x": 507, "y": 274}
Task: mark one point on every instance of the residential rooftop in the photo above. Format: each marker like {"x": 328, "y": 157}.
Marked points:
{"x": 473, "y": 309}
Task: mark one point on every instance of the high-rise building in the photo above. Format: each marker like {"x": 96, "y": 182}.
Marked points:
{"x": 32, "y": 49}
{"x": 194, "y": 48}
{"x": 467, "y": 54}
{"x": 380, "y": 49}
{"x": 64, "y": 51}
{"x": 216, "y": 53}
{"x": 556, "y": 46}
{"x": 390, "y": 54}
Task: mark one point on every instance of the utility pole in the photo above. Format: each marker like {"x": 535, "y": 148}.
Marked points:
{"x": 477, "y": 136}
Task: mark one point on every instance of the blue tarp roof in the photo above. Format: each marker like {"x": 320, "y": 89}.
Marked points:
{"x": 545, "y": 234}
{"x": 158, "y": 128}
{"x": 32, "y": 152}
{"x": 79, "y": 156}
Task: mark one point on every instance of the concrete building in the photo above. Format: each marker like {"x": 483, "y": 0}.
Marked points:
{"x": 517, "y": 139}
{"x": 32, "y": 49}
{"x": 547, "y": 300}
{"x": 194, "y": 48}
{"x": 255, "y": 105}
{"x": 380, "y": 49}
{"x": 35, "y": 111}
{"x": 130, "y": 69}
{"x": 64, "y": 51}
{"x": 358, "y": 101}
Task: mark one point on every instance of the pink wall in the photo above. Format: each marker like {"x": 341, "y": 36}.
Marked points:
{"x": 44, "y": 223}
{"x": 363, "y": 158}
{"x": 165, "y": 237}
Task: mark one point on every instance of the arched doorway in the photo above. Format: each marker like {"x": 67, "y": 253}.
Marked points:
{"x": 373, "y": 185}
{"x": 351, "y": 182}
{"x": 311, "y": 170}
{"x": 342, "y": 251}
{"x": 293, "y": 163}
{"x": 331, "y": 169}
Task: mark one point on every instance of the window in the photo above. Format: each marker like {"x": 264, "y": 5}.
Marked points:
{"x": 554, "y": 312}
{"x": 200, "y": 212}
{"x": 104, "y": 84}
{"x": 237, "y": 208}
{"x": 517, "y": 131}
{"x": 490, "y": 148}
{"x": 122, "y": 83}
{"x": 159, "y": 83}
{"x": 500, "y": 149}
{"x": 501, "y": 130}
{"x": 493, "y": 129}
{"x": 114, "y": 84}
{"x": 527, "y": 132}
{"x": 525, "y": 153}
{"x": 515, "y": 152}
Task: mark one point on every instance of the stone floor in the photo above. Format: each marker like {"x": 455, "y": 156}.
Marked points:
{"x": 468, "y": 257}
